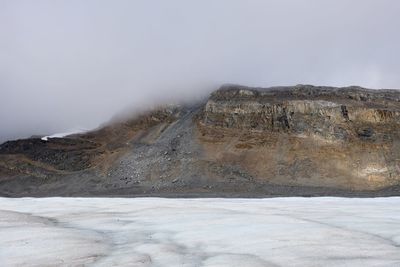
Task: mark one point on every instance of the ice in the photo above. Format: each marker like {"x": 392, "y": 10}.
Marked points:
{"x": 200, "y": 232}
{"x": 61, "y": 135}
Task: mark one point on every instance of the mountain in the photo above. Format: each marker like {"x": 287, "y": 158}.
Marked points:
{"x": 281, "y": 141}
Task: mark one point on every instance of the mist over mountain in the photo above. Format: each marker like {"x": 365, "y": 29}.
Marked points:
{"x": 74, "y": 64}
{"x": 199, "y": 133}
{"x": 299, "y": 140}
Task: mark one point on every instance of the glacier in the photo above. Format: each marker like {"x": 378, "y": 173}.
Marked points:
{"x": 322, "y": 231}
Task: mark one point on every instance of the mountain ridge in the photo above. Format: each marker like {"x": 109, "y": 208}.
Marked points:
{"x": 242, "y": 141}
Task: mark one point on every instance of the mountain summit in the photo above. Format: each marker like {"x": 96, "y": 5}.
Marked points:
{"x": 298, "y": 140}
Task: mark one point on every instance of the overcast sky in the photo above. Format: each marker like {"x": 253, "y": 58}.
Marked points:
{"x": 68, "y": 64}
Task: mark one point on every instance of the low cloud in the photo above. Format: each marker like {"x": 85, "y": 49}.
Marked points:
{"x": 70, "y": 64}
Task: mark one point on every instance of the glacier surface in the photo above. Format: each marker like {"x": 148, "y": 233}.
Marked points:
{"x": 200, "y": 232}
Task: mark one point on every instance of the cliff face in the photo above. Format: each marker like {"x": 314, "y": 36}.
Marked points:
{"x": 306, "y": 135}
{"x": 301, "y": 140}
{"x": 300, "y": 109}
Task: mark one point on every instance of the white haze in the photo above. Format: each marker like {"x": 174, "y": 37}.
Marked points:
{"x": 67, "y": 64}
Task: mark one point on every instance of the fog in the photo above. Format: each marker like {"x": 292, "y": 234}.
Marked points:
{"x": 68, "y": 64}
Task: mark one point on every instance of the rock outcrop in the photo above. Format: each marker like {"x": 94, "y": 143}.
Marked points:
{"x": 306, "y": 135}
{"x": 300, "y": 140}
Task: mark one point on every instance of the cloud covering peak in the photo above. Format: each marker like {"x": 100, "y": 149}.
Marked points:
{"x": 68, "y": 64}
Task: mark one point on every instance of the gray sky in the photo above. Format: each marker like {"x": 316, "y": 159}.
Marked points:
{"x": 75, "y": 63}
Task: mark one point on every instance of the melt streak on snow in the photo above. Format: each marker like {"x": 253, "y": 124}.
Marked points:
{"x": 200, "y": 232}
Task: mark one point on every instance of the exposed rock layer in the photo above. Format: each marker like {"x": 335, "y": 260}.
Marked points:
{"x": 306, "y": 135}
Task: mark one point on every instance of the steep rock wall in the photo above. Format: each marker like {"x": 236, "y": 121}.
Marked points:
{"x": 303, "y": 135}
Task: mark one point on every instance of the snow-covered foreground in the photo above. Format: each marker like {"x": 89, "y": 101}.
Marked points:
{"x": 200, "y": 232}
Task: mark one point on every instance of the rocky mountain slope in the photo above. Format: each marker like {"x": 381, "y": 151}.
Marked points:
{"x": 300, "y": 140}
